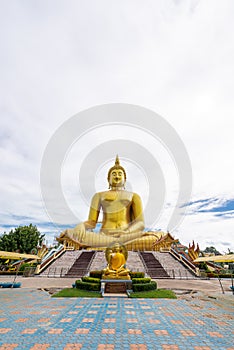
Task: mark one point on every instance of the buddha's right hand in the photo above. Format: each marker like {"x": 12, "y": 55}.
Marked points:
{"x": 79, "y": 232}
{"x": 76, "y": 234}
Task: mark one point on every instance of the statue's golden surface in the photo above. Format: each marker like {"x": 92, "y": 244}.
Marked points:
{"x": 116, "y": 257}
{"x": 123, "y": 220}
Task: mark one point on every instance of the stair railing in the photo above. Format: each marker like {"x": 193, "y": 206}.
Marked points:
{"x": 49, "y": 260}
{"x": 185, "y": 261}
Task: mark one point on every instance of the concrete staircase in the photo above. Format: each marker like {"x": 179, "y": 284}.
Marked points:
{"x": 153, "y": 267}
{"x": 62, "y": 265}
{"x": 98, "y": 262}
{"x": 135, "y": 263}
{"x": 82, "y": 265}
{"x": 172, "y": 266}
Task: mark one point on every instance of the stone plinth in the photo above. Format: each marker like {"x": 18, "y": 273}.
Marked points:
{"x": 115, "y": 286}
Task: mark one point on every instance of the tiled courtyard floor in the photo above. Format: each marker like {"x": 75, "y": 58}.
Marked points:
{"x": 31, "y": 319}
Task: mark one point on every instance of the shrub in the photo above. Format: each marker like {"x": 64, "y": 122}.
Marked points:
{"x": 141, "y": 280}
{"x": 136, "y": 274}
{"x": 23, "y": 266}
{"x": 87, "y": 286}
{"x": 91, "y": 279}
{"x": 143, "y": 287}
{"x": 96, "y": 274}
{"x": 225, "y": 275}
{"x": 212, "y": 275}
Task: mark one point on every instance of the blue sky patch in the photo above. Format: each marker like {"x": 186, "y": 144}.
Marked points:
{"x": 221, "y": 208}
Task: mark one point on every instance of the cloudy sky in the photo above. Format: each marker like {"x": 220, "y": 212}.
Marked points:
{"x": 173, "y": 57}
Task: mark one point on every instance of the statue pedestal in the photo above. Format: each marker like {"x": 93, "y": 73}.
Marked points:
{"x": 115, "y": 286}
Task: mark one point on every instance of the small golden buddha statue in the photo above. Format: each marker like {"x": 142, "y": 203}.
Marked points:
{"x": 123, "y": 220}
{"x": 116, "y": 257}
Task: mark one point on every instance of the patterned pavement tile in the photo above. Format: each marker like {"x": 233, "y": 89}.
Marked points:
{"x": 73, "y": 346}
{"x": 29, "y": 331}
{"x": 82, "y": 331}
{"x": 5, "y": 330}
{"x": 111, "y": 323}
{"x": 40, "y": 346}
{"x": 8, "y": 346}
{"x": 55, "y": 331}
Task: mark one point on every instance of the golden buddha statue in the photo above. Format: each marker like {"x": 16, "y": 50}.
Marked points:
{"x": 116, "y": 257}
{"x": 123, "y": 220}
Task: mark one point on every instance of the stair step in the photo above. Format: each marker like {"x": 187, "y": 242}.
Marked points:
{"x": 154, "y": 268}
{"x": 80, "y": 266}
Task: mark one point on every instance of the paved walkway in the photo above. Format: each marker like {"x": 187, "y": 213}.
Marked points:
{"x": 31, "y": 319}
{"x": 207, "y": 286}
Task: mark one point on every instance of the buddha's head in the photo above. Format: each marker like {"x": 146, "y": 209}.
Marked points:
{"x": 116, "y": 248}
{"x": 116, "y": 175}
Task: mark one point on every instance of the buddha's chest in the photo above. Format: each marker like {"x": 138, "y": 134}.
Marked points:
{"x": 116, "y": 199}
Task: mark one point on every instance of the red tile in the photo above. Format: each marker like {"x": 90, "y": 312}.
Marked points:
{"x": 154, "y": 321}
{"x": 132, "y": 320}
{"x": 8, "y": 346}
{"x": 65, "y": 320}
{"x": 112, "y": 320}
{"x": 55, "y": 331}
{"x": 108, "y": 331}
{"x": 176, "y": 322}
{"x": 198, "y": 322}
{"x": 29, "y": 331}
{"x": 187, "y": 333}
{"x": 82, "y": 331}
{"x": 215, "y": 334}
{"x": 72, "y": 346}
{"x": 21, "y": 320}
{"x": 39, "y": 346}
{"x": 134, "y": 331}
{"x": 5, "y": 330}
{"x": 44, "y": 320}
{"x": 161, "y": 332}
{"x": 88, "y": 319}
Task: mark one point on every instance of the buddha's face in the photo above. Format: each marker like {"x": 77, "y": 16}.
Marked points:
{"x": 116, "y": 248}
{"x": 117, "y": 178}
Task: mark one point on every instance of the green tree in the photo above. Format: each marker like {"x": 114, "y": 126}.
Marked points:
{"x": 212, "y": 250}
{"x": 22, "y": 239}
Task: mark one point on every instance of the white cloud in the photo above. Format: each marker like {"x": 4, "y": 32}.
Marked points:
{"x": 174, "y": 57}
